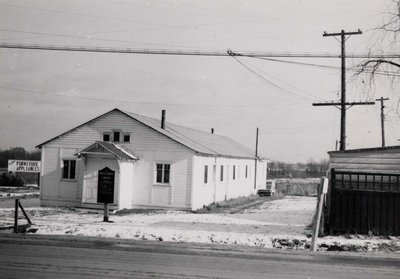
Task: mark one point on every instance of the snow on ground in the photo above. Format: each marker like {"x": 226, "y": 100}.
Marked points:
{"x": 17, "y": 192}
{"x": 19, "y": 195}
{"x": 278, "y": 223}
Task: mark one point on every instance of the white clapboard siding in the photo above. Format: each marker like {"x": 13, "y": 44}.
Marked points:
{"x": 216, "y": 190}
{"x": 378, "y": 160}
{"x": 50, "y": 173}
{"x": 149, "y": 145}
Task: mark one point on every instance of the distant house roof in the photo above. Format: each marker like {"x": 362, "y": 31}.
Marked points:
{"x": 198, "y": 141}
{"x": 108, "y": 147}
{"x": 366, "y": 149}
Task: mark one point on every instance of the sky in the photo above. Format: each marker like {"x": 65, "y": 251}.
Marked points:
{"x": 45, "y": 93}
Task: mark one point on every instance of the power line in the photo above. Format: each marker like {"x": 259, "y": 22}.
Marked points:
{"x": 270, "y": 83}
{"x": 131, "y": 102}
{"x": 353, "y": 69}
{"x": 306, "y": 93}
{"x": 188, "y": 52}
{"x": 299, "y": 63}
{"x": 87, "y": 37}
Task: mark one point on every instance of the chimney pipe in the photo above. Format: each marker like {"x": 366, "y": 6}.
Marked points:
{"x": 212, "y": 130}
{"x": 163, "y": 119}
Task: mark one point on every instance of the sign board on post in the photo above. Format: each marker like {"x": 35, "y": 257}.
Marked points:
{"x": 105, "y": 189}
{"x": 105, "y": 186}
{"x": 23, "y": 166}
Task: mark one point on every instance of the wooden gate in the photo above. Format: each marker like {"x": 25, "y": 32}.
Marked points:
{"x": 364, "y": 203}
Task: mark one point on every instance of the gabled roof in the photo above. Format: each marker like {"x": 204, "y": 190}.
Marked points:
{"x": 201, "y": 142}
{"x": 108, "y": 147}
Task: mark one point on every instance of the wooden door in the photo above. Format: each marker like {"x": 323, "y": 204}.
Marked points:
{"x": 90, "y": 178}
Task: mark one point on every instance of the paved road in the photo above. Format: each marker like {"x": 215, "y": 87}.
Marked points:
{"x": 41, "y": 257}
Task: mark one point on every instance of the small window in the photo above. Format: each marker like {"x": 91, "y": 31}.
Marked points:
{"x": 234, "y": 173}
{"x": 221, "y": 176}
{"x": 116, "y": 136}
{"x": 69, "y": 169}
{"x": 106, "y": 137}
{"x": 127, "y": 138}
{"x": 205, "y": 174}
{"x": 163, "y": 173}
{"x": 246, "y": 172}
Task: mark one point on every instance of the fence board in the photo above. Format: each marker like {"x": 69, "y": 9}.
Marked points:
{"x": 364, "y": 202}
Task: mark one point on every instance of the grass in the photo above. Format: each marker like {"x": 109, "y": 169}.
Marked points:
{"x": 237, "y": 204}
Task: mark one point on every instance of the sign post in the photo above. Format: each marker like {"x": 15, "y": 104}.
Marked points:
{"x": 105, "y": 189}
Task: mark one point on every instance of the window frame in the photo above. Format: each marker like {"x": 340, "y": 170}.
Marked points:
{"x": 109, "y": 136}
{"x": 126, "y": 135}
{"x": 119, "y": 135}
{"x": 205, "y": 174}
{"x": 68, "y": 169}
{"x": 163, "y": 173}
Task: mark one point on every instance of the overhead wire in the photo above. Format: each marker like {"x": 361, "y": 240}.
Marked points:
{"x": 284, "y": 82}
{"x": 85, "y": 37}
{"x": 187, "y": 51}
{"x": 272, "y": 84}
{"x": 353, "y": 69}
{"x": 126, "y": 101}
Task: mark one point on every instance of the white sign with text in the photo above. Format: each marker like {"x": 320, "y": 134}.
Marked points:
{"x": 23, "y": 166}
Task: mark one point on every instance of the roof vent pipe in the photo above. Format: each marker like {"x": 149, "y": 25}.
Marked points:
{"x": 212, "y": 130}
{"x": 163, "y": 119}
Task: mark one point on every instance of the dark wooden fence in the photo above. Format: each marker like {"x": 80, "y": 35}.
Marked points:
{"x": 364, "y": 203}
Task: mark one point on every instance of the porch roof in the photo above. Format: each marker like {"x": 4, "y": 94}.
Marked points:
{"x": 101, "y": 147}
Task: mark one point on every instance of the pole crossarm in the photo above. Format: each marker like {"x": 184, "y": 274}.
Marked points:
{"x": 344, "y": 33}
{"x": 346, "y": 104}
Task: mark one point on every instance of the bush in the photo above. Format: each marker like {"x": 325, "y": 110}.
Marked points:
{"x": 10, "y": 180}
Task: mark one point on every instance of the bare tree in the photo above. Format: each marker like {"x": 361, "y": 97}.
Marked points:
{"x": 386, "y": 41}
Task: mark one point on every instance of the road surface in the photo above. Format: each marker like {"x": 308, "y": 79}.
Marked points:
{"x": 54, "y": 257}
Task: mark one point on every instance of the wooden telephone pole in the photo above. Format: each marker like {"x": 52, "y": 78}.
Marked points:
{"x": 382, "y": 119}
{"x": 343, "y": 104}
{"x": 255, "y": 161}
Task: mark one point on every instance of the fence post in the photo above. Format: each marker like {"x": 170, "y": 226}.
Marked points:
{"x": 332, "y": 201}
{"x": 321, "y": 197}
{"x": 16, "y": 216}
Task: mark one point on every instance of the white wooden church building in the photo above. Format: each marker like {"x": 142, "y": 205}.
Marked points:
{"x": 156, "y": 164}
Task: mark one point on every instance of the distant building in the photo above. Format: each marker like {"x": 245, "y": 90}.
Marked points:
{"x": 156, "y": 164}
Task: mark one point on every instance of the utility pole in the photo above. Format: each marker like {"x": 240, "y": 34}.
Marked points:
{"x": 255, "y": 161}
{"x": 382, "y": 119}
{"x": 343, "y": 102}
